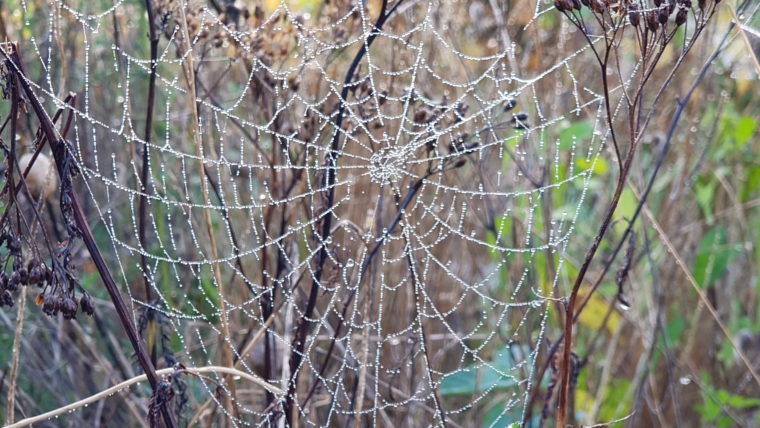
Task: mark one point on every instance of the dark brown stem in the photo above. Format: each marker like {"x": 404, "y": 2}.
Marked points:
{"x": 60, "y": 150}
{"x": 142, "y": 210}
{"x": 327, "y": 185}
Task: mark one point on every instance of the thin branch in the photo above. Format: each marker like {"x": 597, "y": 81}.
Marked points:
{"x": 705, "y": 301}
{"x": 60, "y": 150}
{"x": 224, "y": 322}
{"x": 141, "y": 378}
{"x": 327, "y": 185}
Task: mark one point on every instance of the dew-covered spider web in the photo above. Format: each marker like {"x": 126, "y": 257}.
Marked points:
{"x": 470, "y": 136}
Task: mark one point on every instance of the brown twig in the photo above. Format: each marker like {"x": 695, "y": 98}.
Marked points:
{"x": 142, "y": 209}
{"x": 327, "y": 185}
{"x": 60, "y": 150}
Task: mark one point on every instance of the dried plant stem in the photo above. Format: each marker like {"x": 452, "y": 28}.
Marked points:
{"x": 224, "y": 326}
{"x": 14, "y": 359}
{"x": 60, "y": 149}
{"x": 326, "y": 185}
{"x": 750, "y": 50}
{"x": 142, "y": 209}
{"x": 705, "y": 301}
{"x": 238, "y": 363}
{"x": 116, "y": 388}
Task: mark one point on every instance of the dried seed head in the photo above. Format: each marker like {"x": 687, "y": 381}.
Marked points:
{"x": 681, "y": 17}
{"x": 14, "y": 246}
{"x": 652, "y": 23}
{"x": 662, "y": 16}
{"x": 50, "y": 304}
{"x": 3, "y": 280}
{"x": 13, "y": 281}
{"x": 34, "y": 276}
{"x": 69, "y": 308}
{"x": 522, "y": 117}
{"x": 597, "y": 6}
{"x": 509, "y": 105}
{"x": 88, "y": 306}
{"x": 633, "y": 15}
{"x": 7, "y": 299}
{"x": 23, "y": 276}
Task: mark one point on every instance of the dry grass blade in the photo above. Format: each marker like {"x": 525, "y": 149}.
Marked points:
{"x": 747, "y": 44}
{"x": 705, "y": 301}
{"x": 142, "y": 378}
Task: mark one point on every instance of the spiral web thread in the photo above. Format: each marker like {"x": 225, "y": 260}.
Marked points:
{"x": 449, "y": 316}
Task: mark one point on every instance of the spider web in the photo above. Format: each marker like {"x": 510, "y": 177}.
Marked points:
{"x": 462, "y": 168}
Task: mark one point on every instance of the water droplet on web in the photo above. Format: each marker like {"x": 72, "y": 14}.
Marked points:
{"x": 350, "y": 263}
{"x": 684, "y": 380}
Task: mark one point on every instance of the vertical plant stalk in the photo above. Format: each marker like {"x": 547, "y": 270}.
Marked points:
{"x": 635, "y": 126}
{"x": 224, "y": 326}
{"x": 16, "y": 351}
{"x": 60, "y": 150}
{"x": 15, "y": 99}
{"x": 327, "y": 185}
{"x": 142, "y": 210}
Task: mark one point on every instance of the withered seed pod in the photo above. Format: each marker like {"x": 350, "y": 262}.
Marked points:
{"x": 634, "y": 16}
{"x": 13, "y": 281}
{"x": 662, "y": 16}
{"x": 14, "y": 246}
{"x": 652, "y": 23}
{"x": 34, "y": 275}
{"x": 681, "y": 17}
{"x": 50, "y": 305}
{"x": 88, "y": 306}
{"x": 48, "y": 275}
{"x": 7, "y": 299}
{"x": 23, "y": 275}
{"x": 522, "y": 117}
{"x": 69, "y": 308}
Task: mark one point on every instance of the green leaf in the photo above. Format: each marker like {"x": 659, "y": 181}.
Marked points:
{"x": 745, "y": 127}
{"x": 578, "y": 131}
{"x": 672, "y": 331}
{"x": 713, "y": 257}
{"x": 598, "y": 166}
{"x": 625, "y": 208}
{"x": 496, "y": 417}
{"x": 705, "y": 194}
{"x": 470, "y": 380}
{"x": 750, "y": 183}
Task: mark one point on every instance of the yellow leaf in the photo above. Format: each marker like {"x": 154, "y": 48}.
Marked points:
{"x": 599, "y": 165}
{"x": 594, "y": 312}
